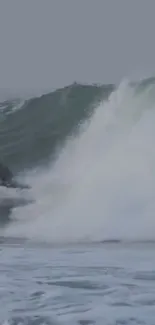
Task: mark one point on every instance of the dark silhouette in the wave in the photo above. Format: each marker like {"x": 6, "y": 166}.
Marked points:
{"x": 7, "y": 179}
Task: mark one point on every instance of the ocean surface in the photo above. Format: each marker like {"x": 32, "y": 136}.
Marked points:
{"x": 80, "y": 250}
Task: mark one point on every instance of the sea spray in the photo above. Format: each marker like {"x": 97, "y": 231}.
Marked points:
{"x": 102, "y": 185}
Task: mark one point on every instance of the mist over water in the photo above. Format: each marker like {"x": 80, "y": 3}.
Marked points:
{"x": 102, "y": 185}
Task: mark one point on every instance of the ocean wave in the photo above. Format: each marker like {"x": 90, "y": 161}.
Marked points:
{"x": 101, "y": 184}
{"x": 37, "y": 126}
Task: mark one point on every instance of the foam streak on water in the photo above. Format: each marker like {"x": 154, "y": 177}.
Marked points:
{"x": 103, "y": 183}
{"x": 95, "y": 284}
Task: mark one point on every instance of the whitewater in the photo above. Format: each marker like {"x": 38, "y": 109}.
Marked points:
{"x": 82, "y": 251}
{"x": 102, "y": 185}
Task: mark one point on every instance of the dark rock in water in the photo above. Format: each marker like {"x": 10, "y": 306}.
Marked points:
{"x": 6, "y": 175}
{"x": 4, "y": 216}
{"x": 7, "y": 203}
{"x": 7, "y": 178}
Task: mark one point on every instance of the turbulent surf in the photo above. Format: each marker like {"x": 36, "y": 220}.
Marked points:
{"x": 87, "y": 152}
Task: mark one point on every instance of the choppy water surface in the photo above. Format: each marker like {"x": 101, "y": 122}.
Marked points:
{"x": 82, "y": 284}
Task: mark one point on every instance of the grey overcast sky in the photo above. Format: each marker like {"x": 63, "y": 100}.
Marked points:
{"x": 51, "y": 43}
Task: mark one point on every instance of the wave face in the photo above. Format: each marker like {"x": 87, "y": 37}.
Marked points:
{"x": 99, "y": 183}
{"x": 31, "y": 131}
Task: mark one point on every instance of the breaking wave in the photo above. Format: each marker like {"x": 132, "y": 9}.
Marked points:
{"x": 88, "y": 153}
